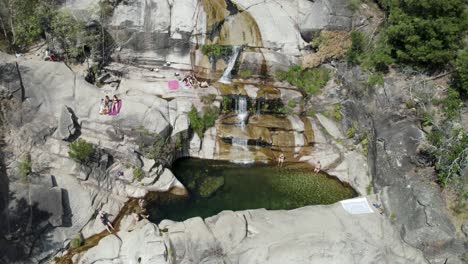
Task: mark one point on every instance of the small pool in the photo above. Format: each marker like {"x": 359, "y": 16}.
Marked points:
{"x": 215, "y": 186}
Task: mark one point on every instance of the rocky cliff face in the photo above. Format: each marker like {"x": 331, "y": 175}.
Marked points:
{"x": 46, "y": 105}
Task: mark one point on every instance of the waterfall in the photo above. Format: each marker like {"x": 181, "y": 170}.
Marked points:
{"x": 241, "y": 109}
{"x": 226, "y": 78}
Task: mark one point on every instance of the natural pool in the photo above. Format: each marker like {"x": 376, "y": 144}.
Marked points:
{"x": 242, "y": 187}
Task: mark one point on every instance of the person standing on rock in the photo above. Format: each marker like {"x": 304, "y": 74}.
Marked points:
{"x": 281, "y": 159}
{"x": 105, "y": 221}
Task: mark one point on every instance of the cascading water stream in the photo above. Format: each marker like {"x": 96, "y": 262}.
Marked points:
{"x": 241, "y": 109}
{"x": 226, "y": 78}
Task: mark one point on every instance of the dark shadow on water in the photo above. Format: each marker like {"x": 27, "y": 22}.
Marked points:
{"x": 215, "y": 186}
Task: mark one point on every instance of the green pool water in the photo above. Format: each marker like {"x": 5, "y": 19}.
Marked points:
{"x": 245, "y": 187}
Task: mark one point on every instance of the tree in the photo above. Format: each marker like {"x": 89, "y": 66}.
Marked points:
{"x": 425, "y": 32}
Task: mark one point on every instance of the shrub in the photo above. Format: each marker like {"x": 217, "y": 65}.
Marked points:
{"x": 357, "y": 47}
{"x": 245, "y": 73}
{"x": 452, "y": 104}
{"x": 353, "y": 5}
{"x": 461, "y": 72}
{"x": 292, "y": 103}
{"x": 24, "y": 167}
{"x": 308, "y": 80}
{"x": 77, "y": 241}
{"x": 138, "y": 174}
{"x": 210, "y": 185}
{"x": 351, "y": 131}
{"x": 80, "y": 151}
{"x": 334, "y": 112}
{"x": 199, "y": 123}
{"x": 375, "y": 79}
{"x": 216, "y": 50}
{"x": 226, "y": 104}
{"x": 452, "y": 157}
{"x": 425, "y": 33}
{"x": 157, "y": 148}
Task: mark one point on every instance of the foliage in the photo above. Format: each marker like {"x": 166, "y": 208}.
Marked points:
{"x": 452, "y": 156}
{"x": 351, "y": 131}
{"x": 216, "y": 50}
{"x": 138, "y": 174}
{"x": 245, "y": 73}
{"x": 292, "y": 103}
{"x": 80, "y": 150}
{"x": 375, "y": 79}
{"x": 309, "y": 80}
{"x": 67, "y": 30}
{"x": 427, "y": 119}
{"x": 460, "y": 81}
{"x": 210, "y": 185}
{"x": 435, "y": 137}
{"x": 200, "y": 123}
{"x": 452, "y": 104}
{"x": 226, "y": 104}
{"x": 369, "y": 189}
{"x": 156, "y": 150}
{"x": 425, "y": 33}
{"x": 357, "y": 47}
{"x": 353, "y": 5}
{"x": 24, "y": 167}
{"x": 77, "y": 241}
{"x": 334, "y": 112}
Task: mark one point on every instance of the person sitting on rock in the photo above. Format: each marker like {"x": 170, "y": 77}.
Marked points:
{"x": 281, "y": 159}
{"x": 105, "y": 221}
{"x": 143, "y": 211}
{"x": 318, "y": 167}
{"x": 115, "y": 104}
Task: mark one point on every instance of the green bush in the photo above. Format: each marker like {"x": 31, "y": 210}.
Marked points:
{"x": 375, "y": 79}
{"x": 210, "y": 185}
{"x": 216, "y": 50}
{"x": 452, "y": 157}
{"x": 80, "y": 151}
{"x": 452, "y": 104}
{"x": 461, "y": 72}
{"x": 24, "y": 167}
{"x": 354, "y": 5}
{"x": 200, "y": 124}
{"x": 425, "y": 33}
{"x": 351, "y": 131}
{"x": 292, "y": 103}
{"x": 138, "y": 174}
{"x": 435, "y": 137}
{"x": 157, "y": 148}
{"x": 77, "y": 241}
{"x": 309, "y": 80}
{"x": 245, "y": 73}
{"x": 226, "y": 104}
{"x": 357, "y": 47}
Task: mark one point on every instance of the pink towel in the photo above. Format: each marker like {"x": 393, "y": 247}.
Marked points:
{"x": 117, "y": 111}
{"x": 173, "y": 85}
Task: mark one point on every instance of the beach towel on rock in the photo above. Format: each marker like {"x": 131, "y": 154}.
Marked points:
{"x": 173, "y": 85}
{"x": 116, "y": 111}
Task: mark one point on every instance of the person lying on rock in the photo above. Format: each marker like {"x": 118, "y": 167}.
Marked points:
{"x": 105, "y": 221}
{"x": 318, "y": 167}
{"x": 115, "y": 104}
